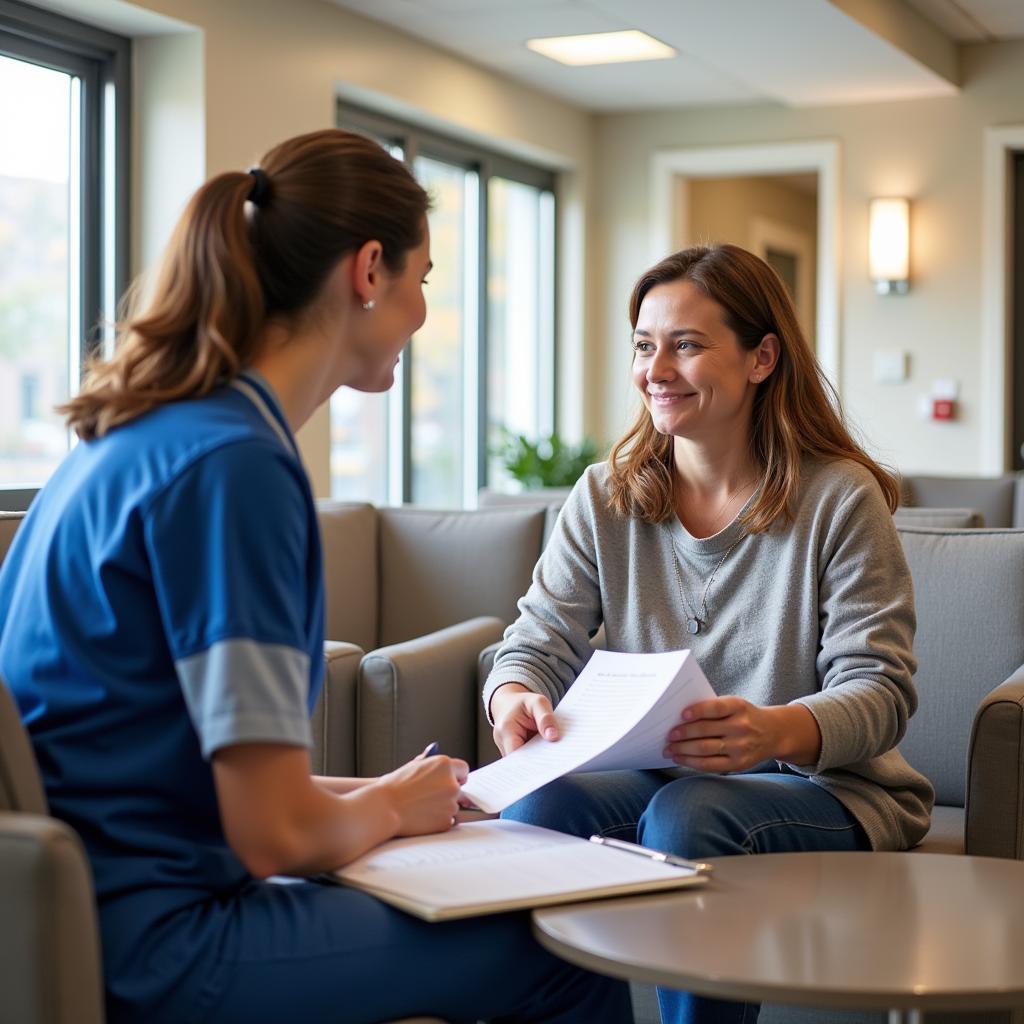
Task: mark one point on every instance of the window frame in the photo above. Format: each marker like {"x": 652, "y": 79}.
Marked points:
{"x": 415, "y": 140}
{"x": 102, "y": 60}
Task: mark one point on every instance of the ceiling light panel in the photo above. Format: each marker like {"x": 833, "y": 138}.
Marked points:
{"x": 602, "y": 48}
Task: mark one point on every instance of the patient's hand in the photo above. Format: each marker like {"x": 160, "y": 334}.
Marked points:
{"x": 729, "y": 734}
{"x": 518, "y": 715}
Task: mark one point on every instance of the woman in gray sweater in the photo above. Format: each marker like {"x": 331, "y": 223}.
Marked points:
{"x": 739, "y": 518}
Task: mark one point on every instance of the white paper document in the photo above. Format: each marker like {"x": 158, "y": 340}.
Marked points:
{"x": 616, "y": 715}
{"x": 489, "y": 866}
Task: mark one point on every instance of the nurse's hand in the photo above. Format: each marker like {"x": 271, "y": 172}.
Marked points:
{"x": 519, "y": 714}
{"x": 424, "y": 794}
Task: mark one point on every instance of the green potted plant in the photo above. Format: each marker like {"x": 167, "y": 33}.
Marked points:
{"x": 546, "y": 462}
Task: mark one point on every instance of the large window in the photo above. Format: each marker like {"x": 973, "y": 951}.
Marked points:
{"x": 63, "y": 223}
{"x": 483, "y": 363}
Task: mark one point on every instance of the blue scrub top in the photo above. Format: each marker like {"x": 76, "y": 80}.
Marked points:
{"x": 162, "y": 599}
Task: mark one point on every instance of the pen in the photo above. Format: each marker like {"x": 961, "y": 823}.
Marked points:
{"x": 700, "y": 867}
{"x": 432, "y": 749}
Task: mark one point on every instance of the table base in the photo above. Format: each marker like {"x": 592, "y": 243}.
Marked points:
{"x": 906, "y": 1017}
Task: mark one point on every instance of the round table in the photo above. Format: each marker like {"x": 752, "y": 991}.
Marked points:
{"x": 898, "y": 931}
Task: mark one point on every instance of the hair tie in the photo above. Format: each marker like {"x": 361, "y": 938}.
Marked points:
{"x": 260, "y": 191}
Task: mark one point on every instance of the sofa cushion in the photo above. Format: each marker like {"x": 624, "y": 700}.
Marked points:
{"x": 438, "y": 568}
{"x": 947, "y": 518}
{"x": 969, "y": 592}
{"x": 488, "y": 498}
{"x": 993, "y": 497}
{"x": 552, "y": 498}
{"x": 946, "y": 834}
{"x": 348, "y": 536}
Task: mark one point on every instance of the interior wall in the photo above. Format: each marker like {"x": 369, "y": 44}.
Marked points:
{"x": 270, "y": 70}
{"x": 168, "y": 136}
{"x": 929, "y": 150}
{"x": 736, "y": 209}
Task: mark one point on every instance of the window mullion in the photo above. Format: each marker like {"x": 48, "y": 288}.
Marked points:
{"x": 410, "y": 149}
{"x": 474, "y": 308}
{"x": 483, "y": 277}
{"x": 547, "y": 384}
{"x": 495, "y": 194}
{"x": 91, "y": 183}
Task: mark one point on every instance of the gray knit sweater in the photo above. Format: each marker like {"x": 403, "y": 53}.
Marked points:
{"x": 819, "y": 611}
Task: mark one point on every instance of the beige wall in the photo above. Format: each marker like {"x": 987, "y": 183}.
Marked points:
{"x": 270, "y": 70}
{"x": 930, "y": 150}
{"x": 747, "y": 211}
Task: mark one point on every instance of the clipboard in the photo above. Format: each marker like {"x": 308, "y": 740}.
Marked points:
{"x": 494, "y": 866}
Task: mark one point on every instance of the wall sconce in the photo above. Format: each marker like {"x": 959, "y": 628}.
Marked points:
{"x": 889, "y": 245}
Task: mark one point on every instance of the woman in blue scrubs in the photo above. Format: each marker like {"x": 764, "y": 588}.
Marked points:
{"x": 163, "y": 629}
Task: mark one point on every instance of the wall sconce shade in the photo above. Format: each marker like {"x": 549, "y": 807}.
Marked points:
{"x": 889, "y": 245}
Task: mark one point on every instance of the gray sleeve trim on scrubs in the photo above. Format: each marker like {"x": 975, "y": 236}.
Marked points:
{"x": 242, "y": 691}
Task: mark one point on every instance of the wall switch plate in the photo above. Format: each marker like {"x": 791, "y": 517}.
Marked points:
{"x": 890, "y": 366}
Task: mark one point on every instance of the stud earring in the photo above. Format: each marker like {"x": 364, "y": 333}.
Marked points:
{"x": 369, "y": 304}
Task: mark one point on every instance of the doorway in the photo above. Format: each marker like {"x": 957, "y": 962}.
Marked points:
{"x": 1017, "y": 308}
{"x": 774, "y": 217}
{"x": 675, "y": 172}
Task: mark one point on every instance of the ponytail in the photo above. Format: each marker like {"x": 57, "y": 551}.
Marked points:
{"x": 231, "y": 265}
{"x": 207, "y": 309}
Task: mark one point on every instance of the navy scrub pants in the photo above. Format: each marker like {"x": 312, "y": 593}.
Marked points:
{"x": 318, "y": 953}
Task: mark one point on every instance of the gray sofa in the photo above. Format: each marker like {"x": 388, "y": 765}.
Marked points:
{"x": 418, "y": 593}
{"x": 415, "y": 596}
{"x": 966, "y": 736}
{"x": 997, "y": 500}
{"x": 943, "y": 501}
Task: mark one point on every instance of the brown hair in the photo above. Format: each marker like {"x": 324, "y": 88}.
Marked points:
{"x": 796, "y": 410}
{"x": 231, "y": 264}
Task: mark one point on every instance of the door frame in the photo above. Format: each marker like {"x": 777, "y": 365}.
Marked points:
{"x": 1001, "y": 143}
{"x": 669, "y": 213}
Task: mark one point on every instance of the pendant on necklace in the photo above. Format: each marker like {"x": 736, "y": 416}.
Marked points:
{"x": 693, "y": 626}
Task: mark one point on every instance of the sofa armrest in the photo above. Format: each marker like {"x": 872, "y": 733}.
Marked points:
{"x": 49, "y": 942}
{"x": 994, "y": 816}
{"x": 412, "y": 693}
{"x": 486, "y": 748}
{"x": 334, "y": 717}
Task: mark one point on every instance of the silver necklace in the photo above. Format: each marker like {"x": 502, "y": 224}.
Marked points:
{"x": 695, "y": 622}
{"x": 725, "y": 505}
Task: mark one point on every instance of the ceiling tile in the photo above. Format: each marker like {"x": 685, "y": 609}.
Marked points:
{"x": 798, "y": 52}
{"x": 950, "y": 19}
{"x": 1002, "y": 19}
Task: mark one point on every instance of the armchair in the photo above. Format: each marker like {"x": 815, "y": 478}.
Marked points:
{"x": 421, "y": 592}
{"x": 968, "y": 733}
{"x": 49, "y": 945}
{"x": 999, "y": 500}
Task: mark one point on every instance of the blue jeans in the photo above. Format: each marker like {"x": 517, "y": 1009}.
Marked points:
{"x": 770, "y": 810}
